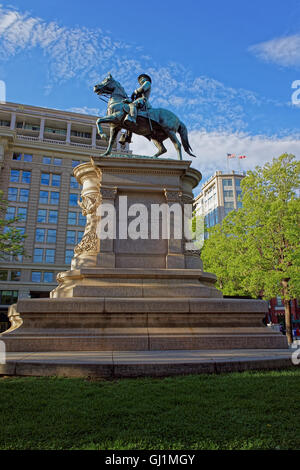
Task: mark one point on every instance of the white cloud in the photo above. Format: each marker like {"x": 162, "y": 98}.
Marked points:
{"x": 211, "y": 149}
{"x": 85, "y": 110}
{"x": 282, "y": 51}
{"x": 86, "y": 54}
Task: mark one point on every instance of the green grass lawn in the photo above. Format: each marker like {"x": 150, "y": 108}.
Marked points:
{"x": 251, "y": 410}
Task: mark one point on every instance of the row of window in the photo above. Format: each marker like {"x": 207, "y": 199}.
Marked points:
{"x": 42, "y": 276}
{"x": 43, "y": 235}
{"x": 45, "y": 215}
{"x": 24, "y": 157}
{"x": 50, "y": 179}
{"x": 12, "y": 212}
{"x": 47, "y": 255}
{"x": 228, "y": 182}
{"x": 20, "y": 176}
{"x": 51, "y": 217}
{"x": 10, "y": 275}
{"x": 8, "y": 297}
{"x": 47, "y": 179}
{"x": 18, "y": 195}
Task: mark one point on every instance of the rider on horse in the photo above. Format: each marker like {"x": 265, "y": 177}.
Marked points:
{"x": 139, "y": 100}
{"x": 140, "y": 97}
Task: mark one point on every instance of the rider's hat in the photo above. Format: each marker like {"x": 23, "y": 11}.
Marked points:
{"x": 144, "y": 75}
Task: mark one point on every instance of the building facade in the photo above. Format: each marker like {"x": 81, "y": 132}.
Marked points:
{"x": 218, "y": 196}
{"x": 39, "y": 148}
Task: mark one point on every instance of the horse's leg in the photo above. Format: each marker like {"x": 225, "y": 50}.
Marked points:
{"x": 161, "y": 148}
{"x": 114, "y": 118}
{"x": 113, "y": 135}
{"x": 99, "y": 128}
{"x": 172, "y": 135}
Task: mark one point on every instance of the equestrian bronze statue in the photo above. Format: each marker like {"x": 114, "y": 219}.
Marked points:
{"x": 136, "y": 115}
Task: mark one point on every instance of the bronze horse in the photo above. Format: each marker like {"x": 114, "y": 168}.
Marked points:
{"x": 156, "y": 126}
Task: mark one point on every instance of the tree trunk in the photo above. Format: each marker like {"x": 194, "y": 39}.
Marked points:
{"x": 287, "y": 311}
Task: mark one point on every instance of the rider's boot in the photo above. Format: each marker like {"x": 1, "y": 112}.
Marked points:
{"x": 131, "y": 117}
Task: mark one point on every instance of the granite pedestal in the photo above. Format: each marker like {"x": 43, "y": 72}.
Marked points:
{"x": 127, "y": 294}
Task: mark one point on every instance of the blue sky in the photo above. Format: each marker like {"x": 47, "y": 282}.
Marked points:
{"x": 225, "y": 68}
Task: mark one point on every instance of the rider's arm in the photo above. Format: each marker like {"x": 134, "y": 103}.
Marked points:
{"x": 146, "y": 86}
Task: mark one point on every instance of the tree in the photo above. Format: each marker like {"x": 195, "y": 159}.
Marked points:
{"x": 11, "y": 238}
{"x": 255, "y": 251}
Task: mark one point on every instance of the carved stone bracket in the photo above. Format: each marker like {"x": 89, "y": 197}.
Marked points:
{"x": 172, "y": 196}
{"x": 108, "y": 193}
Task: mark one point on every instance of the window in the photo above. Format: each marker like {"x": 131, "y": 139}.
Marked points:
{"x": 48, "y": 277}
{"x": 71, "y": 237}
{"x": 56, "y": 180}
{"x": 17, "y": 156}
{"x": 82, "y": 219}
{"x": 75, "y": 163}
{"x": 53, "y": 217}
{"x": 3, "y": 275}
{"x": 72, "y": 218}
{"x": 52, "y": 130}
{"x": 8, "y": 297}
{"x": 45, "y": 179}
{"x": 44, "y": 195}
{"x": 27, "y": 157}
{"x": 239, "y": 204}
{"x": 50, "y": 256}
{"x": 79, "y": 236}
{"x": 68, "y": 256}
{"x": 42, "y": 215}
{"x": 10, "y": 213}
{"x": 38, "y": 255}
{"x": 24, "y": 195}
{"x": 40, "y": 235}
{"x": 279, "y": 302}
{"x": 227, "y": 182}
{"x": 238, "y": 182}
{"x": 36, "y": 276}
{"x": 73, "y": 183}
{"x": 15, "y": 276}
{"x": 15, "y": 176}
{"x": 73, "y": 199}
{"x": 12, "y": 194}
{"x": 47, "y": 160}
{"x": 57, "y": 161}
{"x": 51, "y": 236}
{"x": 21, "y": 230}
{"x": 228, "y": 193}
{"x": 26, "y": 177}
{"x": 54, "y": 197}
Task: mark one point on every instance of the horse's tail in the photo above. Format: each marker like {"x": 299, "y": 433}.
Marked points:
{"x": 184, "y": 139}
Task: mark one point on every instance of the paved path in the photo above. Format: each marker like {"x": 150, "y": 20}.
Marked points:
{"x": 110, "y": 364}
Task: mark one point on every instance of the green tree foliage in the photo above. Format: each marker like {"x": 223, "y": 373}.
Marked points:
{"x": 255, "y": 251}
{"x": 11, "y": 239}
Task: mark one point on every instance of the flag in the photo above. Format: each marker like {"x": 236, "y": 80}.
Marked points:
{"x": 230, "y": 155}
{"x": 242, "y": 156}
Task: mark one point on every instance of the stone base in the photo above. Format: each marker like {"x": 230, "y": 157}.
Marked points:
{"x": 139, "y": 324}
{"x": 135, "y": 283}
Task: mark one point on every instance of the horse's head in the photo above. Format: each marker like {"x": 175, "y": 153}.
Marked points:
{"x": 107, "y": 86}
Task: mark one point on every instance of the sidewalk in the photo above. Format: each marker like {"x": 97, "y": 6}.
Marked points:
{"x": 117, "y": 364}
